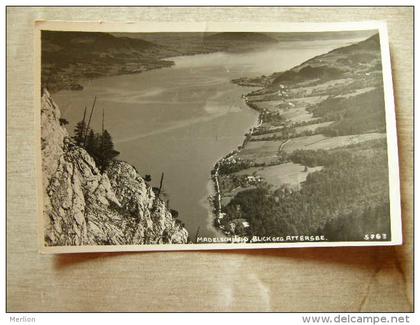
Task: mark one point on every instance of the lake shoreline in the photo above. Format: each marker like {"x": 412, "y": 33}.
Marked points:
{"x": 215, "y": 201}
{"x": 79, "y": 84}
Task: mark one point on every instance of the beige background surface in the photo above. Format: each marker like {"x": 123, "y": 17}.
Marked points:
{"x": 323, "y": 279}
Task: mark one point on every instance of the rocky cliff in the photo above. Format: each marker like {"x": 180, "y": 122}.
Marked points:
{"x": 83, "y": 206}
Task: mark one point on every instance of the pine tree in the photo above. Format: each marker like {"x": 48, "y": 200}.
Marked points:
{"x": 79, "y": 133}
{"x": 99, "y": 145}
{"x": 90, "y": 118}
{"x": 92, "y": 145}
{"x": 106, "y": 151}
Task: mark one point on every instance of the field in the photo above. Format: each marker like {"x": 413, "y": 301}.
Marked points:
{"x": 284, "y": 174}
{"x": 357, "y": 92}
{"x": 321, "y": 89}
{"x": 308, "y": 100}
{"x": 298, "y": 115}
{"x": 271, "y": 105}
{"x": 311, "y": 127}
{"x": 320, "y": 141}
{"x": 261, "y": 151}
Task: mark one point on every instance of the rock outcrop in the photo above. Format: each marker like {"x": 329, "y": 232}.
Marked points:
{"x": 83, "y": 206}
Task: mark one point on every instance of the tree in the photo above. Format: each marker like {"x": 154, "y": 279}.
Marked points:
{"x": 174, "y": 213}
{"x": 63, "y": 121}
{"x": 90, "y": 118}
{"x": 79, "y": 133}
{"x": 91, "y": 144}
{"x": 98, "y": 145}
{"x": 106, "y": 151}
{"x": 161, "y": 184}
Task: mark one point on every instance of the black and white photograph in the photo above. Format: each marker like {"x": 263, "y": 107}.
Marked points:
{"x": 215, "y": 136}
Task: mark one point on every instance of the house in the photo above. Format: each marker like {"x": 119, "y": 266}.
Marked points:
{"x": 251, "y": 178}
{"x": 245, "y": 224}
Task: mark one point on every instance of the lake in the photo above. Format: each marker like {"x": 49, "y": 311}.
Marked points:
{"x": 181, "y": 120}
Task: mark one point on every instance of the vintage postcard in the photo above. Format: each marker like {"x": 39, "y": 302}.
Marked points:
{"x": 185, "y": 136}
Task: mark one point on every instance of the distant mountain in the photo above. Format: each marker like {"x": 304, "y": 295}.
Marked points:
{"x": 69, "y": 57}
{"x": 359, "y": 58}
{"x": 238, "y": 41}
{"x": 321, "y": 36}
{"x": 92, "y": 42}
{"x": 188, "y": 43}
{"x": 370, "y": 44}
{"x": 240, "y": 37}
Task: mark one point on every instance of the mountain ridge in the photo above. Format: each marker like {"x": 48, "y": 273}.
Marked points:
{"x": 241, "y": 37}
